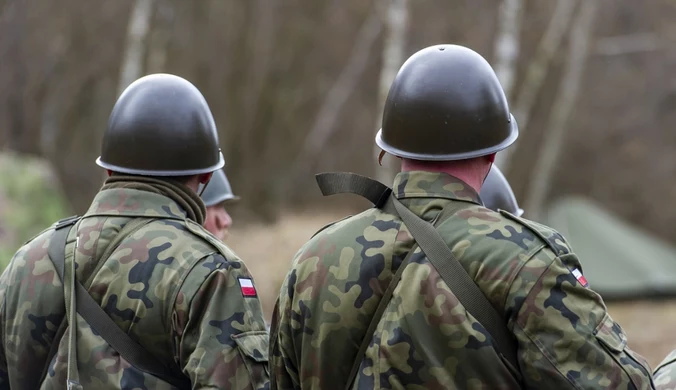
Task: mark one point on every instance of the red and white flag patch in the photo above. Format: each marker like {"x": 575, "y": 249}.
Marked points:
{"x": 247, "y": 287}
{"x": 580, "y": 278}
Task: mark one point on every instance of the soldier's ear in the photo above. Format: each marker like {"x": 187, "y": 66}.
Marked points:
{"x": 110, "y": 173}
{"x": 491, "y": 157}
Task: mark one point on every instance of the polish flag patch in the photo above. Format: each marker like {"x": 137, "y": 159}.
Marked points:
{"x": 247, "y": 287}
{"x": 580, "y": 278}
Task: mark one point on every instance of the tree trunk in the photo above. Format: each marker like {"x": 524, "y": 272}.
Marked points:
{"x": 158, "y": 43}
{"x": 325, "y": 122}
{"x": 536, "y": 74}
{"x": 507, "y": 43}
{"x": 19, "y": 137}
{"x": 393, "y": 58}
{"x": 134, "y": 52}
{"x": 563, "y": 105}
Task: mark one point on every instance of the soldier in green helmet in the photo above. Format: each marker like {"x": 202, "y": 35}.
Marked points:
{"x": 429, "y": 289}
{"x": 216, "y": 196}
{"x": 497, "y": 194}
{"x": 136, "y": 294}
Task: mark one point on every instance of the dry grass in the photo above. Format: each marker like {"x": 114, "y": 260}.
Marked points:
{"x": 649, "y": 327}
{"x": 268, "y": 251}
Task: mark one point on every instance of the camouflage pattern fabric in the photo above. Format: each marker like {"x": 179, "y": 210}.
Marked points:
{"x": 425, "y": 339}
{"x": 170, "y": 285}
{"x": 665, "y": 373}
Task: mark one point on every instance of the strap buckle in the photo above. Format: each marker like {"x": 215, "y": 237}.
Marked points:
{"x": 66, "y": 222}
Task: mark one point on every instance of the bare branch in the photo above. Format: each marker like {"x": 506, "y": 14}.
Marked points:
{"x": 627, "y": 44}
{"x": 562, "y": 107}
{"x": 537, "y": 72}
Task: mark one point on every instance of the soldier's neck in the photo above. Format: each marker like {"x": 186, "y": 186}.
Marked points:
{"x": 469, "y": 171}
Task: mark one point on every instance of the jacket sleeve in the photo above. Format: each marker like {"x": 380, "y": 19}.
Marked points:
{"x": 665, "y": 373}
{"x": 283, "y": 374}
{"x": 567, "y": 339}
{"x": 219, "y": 329}
{"x": 4, "y": 374}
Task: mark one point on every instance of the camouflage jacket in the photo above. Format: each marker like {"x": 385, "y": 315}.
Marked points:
{"x": 665, "y": 373}
{"x": 566, "y": 339}
{"x": 172, "y": 291}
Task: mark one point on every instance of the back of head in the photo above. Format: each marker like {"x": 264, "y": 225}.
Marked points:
{"x": 161, "y": 125}
{"x": 497, "y": 194}
{"x": 445, "y": 104}
{"x": 218, "y": 190}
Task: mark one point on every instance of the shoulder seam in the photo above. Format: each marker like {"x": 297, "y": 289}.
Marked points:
{"x": 328, "y": 225}
{"x": 557, "y": 251}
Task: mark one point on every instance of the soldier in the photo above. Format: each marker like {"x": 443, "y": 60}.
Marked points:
{"x": 216, "y": 195}
{"x": 497, "y": 194}
{"x": 429, "y": 289}
{"x": 170, "y": 305}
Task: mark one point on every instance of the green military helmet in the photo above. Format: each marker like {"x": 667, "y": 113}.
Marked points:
{"x": 446, "y": 103}
{"x": 161, "y": 125}
{"x": 218, "y": 190}
{"x": 497, "y": 194}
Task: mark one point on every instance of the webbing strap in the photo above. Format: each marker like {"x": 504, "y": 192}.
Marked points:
{"x": 69, "y": 281}
{"x": 99, "y": 320}
{"x": 437, "y": 252}
{"x": 457, "y": 278}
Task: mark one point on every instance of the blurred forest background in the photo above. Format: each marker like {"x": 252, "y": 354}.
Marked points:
{"x": 297, "y": 87}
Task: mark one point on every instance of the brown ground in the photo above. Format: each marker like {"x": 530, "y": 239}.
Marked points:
{"x": 268, "y": 251}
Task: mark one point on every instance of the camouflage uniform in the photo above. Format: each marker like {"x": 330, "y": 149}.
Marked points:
{"x": 665, "y": 373}
{"x": 168, "y": 285}
{"x": 426, "y": 339}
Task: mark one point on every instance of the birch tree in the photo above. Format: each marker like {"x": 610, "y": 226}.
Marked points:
{"x": 564, "y": 103}
{"x": 536, "y": 73}
{"x": 507, "y": 43}
{"x": 134, "y": 52}
{"x": 158, "y": 41}
{"x": 393, "y": 57}
{"x": 325, "y": 121}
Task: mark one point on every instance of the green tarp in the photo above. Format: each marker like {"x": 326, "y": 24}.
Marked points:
{"x": 620, "y": 261}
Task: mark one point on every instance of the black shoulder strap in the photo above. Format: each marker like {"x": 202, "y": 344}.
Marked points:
{"x": 332, "y": 183}
{"x": 97, "y": 318}
{"x": 437, "y": 252}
